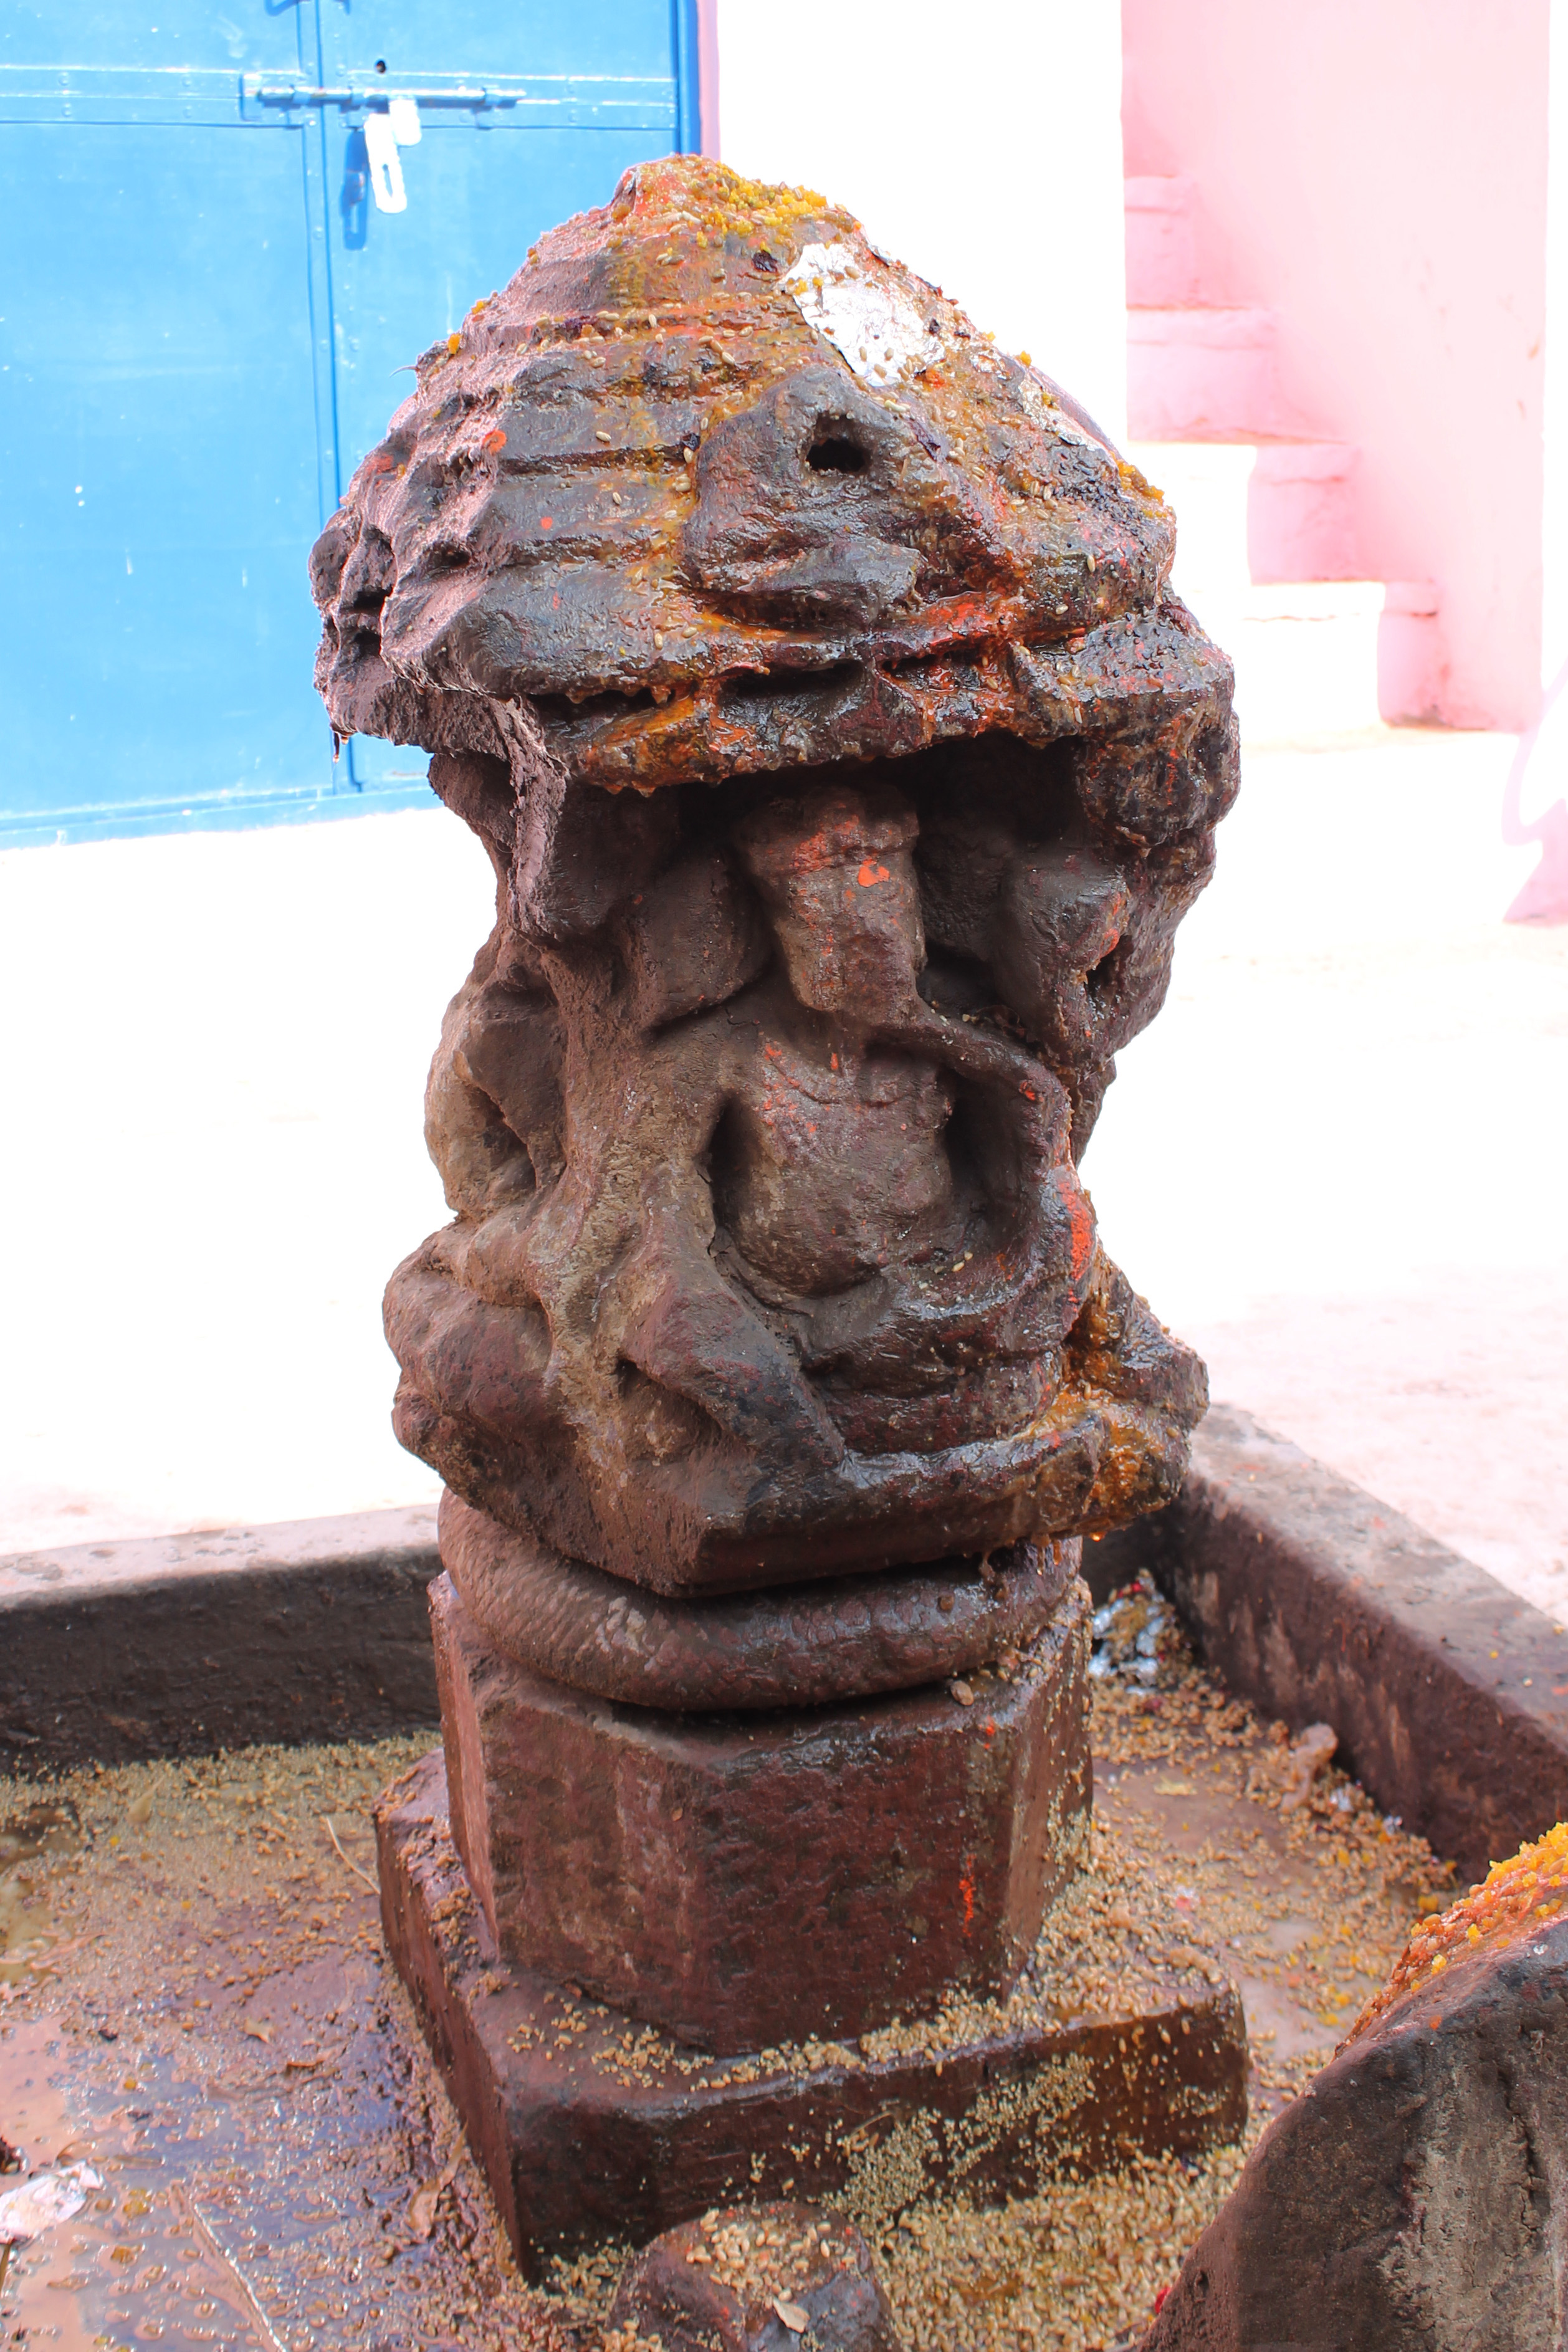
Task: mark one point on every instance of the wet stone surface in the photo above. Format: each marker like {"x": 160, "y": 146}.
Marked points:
{"x": 1126, "y": 1635}
{"x": 282, "y": 2165}
{"x": 192, "y": 1997}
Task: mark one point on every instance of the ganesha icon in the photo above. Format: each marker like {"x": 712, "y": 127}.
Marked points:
{"x": 847, "y": 763}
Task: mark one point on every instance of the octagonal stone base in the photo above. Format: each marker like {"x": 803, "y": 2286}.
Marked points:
{"x": 591, "y": 2129}
{"x": 746, "y": 1880}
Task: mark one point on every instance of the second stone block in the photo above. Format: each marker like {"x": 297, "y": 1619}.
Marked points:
{"x": 744, "y": 1880}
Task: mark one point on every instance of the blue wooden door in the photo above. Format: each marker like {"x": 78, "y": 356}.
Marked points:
{"x": 202, "y": 315}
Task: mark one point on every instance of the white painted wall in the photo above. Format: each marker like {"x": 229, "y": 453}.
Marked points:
{"x": 980, "y": 144}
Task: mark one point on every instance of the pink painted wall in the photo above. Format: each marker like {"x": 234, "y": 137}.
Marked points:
{"x": 707, "y": 73}
{"x": 1373, "y": 172}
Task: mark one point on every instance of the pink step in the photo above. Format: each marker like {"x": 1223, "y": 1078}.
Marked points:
{"x": 1412, "y": 664}
{"x": 1201, "y": 375}
{"x": 1161, "y": 244}
{"x": 1301, "y": 513}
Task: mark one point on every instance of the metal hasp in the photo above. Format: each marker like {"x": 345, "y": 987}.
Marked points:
{"x": 210, "y": 285}
{"x": 809, "y": 670}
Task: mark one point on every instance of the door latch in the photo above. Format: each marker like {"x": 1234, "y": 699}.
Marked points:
{"x": 385, "y": 133}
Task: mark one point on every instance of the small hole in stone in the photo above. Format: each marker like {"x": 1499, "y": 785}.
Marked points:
{"x": 1101, "y": 980}
{"x": 834, "y": 448}
{"x": 766, "y": 263}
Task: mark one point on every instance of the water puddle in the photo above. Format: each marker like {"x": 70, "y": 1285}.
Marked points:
{"x": 34, "y": 1838}
{"x": 198, "y": 2006}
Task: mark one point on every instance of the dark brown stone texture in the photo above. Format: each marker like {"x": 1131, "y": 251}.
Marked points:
{"x": 801, "y": 1645}
{"x": 846, "y": 766}
{"x": 1416, "y": 2199}
{"x": 809, "y": 671}
{"x": 591, "y": 2129}
{"x": 755, "y": 2278}
{"x": 744, "y": 1880}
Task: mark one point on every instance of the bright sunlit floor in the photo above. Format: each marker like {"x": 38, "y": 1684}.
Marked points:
{"x": 1336, "y": 1164}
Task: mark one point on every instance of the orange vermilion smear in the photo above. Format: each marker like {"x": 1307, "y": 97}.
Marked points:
{"x": 1515, "y": 1898}
{"x": 1080, "y": 1223}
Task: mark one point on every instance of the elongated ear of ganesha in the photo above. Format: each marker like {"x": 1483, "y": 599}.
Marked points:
{"x": 693, "y": 938}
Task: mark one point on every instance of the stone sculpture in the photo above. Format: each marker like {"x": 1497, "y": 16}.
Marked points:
{"x": 808, "y": 668}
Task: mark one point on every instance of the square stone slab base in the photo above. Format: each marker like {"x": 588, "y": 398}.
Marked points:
{"x": 748, "y": 1880}
{"x": 591, "y": 2127}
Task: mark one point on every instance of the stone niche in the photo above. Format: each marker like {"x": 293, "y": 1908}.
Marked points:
{"x": 808, "y": 669}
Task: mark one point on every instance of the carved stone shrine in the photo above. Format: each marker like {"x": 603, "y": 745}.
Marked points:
{"x": 808, "y": 667}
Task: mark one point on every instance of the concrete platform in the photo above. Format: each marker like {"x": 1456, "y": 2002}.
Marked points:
{"x": 298, "y": 2117}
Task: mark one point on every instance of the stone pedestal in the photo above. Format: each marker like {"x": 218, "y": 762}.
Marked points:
{"x": 746, "y": 1879}
{"x": 593, "y": 2127}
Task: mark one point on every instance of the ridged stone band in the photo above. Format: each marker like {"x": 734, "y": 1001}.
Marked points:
{"x": 802, "y": 1645}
